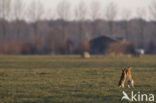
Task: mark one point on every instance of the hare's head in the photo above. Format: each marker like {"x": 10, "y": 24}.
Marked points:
{"x": 128, "y": 69}
{"x": 124, "y": 72}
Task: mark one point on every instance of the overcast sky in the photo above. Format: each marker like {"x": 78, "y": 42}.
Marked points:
{"x": 132, "y": 5}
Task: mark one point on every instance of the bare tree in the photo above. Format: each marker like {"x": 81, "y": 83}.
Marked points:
{"x": 95, "y": 15}
{"x": 18, "y": 8}
{"x": 95, "y": 12}
{"x": 110, "y": 15}
{"x": 35, "y": 15}
{"x": 52, "y": 37}
{"x": 141, "y": 14}
{"x": 5, "y": 10}
{"x": 80, "y": 16}
{"x": 81, "y": 11}
{"x": 63, "y": 12}
{"x": 35, "y": 11}
{"x": 126, "y": 16}
{"x": 152, "y": 9}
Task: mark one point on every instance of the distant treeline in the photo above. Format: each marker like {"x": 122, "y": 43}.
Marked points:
{"x": 62, "y": 37}
{"x": 32, "y": 28}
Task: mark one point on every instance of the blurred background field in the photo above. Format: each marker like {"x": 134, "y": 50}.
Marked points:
{"x": 72, "y": 79}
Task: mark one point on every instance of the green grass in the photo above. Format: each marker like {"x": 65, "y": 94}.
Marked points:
{"x": 71, "y": 79}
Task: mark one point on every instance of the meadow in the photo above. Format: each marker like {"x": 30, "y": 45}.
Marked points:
{"x": 72, "y": 79}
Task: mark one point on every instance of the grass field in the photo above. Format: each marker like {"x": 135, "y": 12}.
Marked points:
{"x": 71, "y": 79}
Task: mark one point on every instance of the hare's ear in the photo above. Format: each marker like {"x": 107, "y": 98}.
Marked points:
{"x": 123, "y": 69}
{"x": 129, "y": 67}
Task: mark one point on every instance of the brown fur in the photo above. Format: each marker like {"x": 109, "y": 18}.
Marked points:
{"x": 126, "y": 73}
{"x": 123, "y": 78}
{"x": 130, "y": 80}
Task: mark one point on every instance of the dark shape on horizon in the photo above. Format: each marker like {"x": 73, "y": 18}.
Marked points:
{"x": 109, "y": 45}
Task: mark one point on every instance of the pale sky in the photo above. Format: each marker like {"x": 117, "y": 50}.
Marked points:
{"x": 132, "y": 5}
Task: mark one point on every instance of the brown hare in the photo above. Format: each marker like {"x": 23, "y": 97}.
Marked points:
{"x": 126, "y": 74}
{"x": 123, "y": 78}
{"x": 129, "y": 77}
